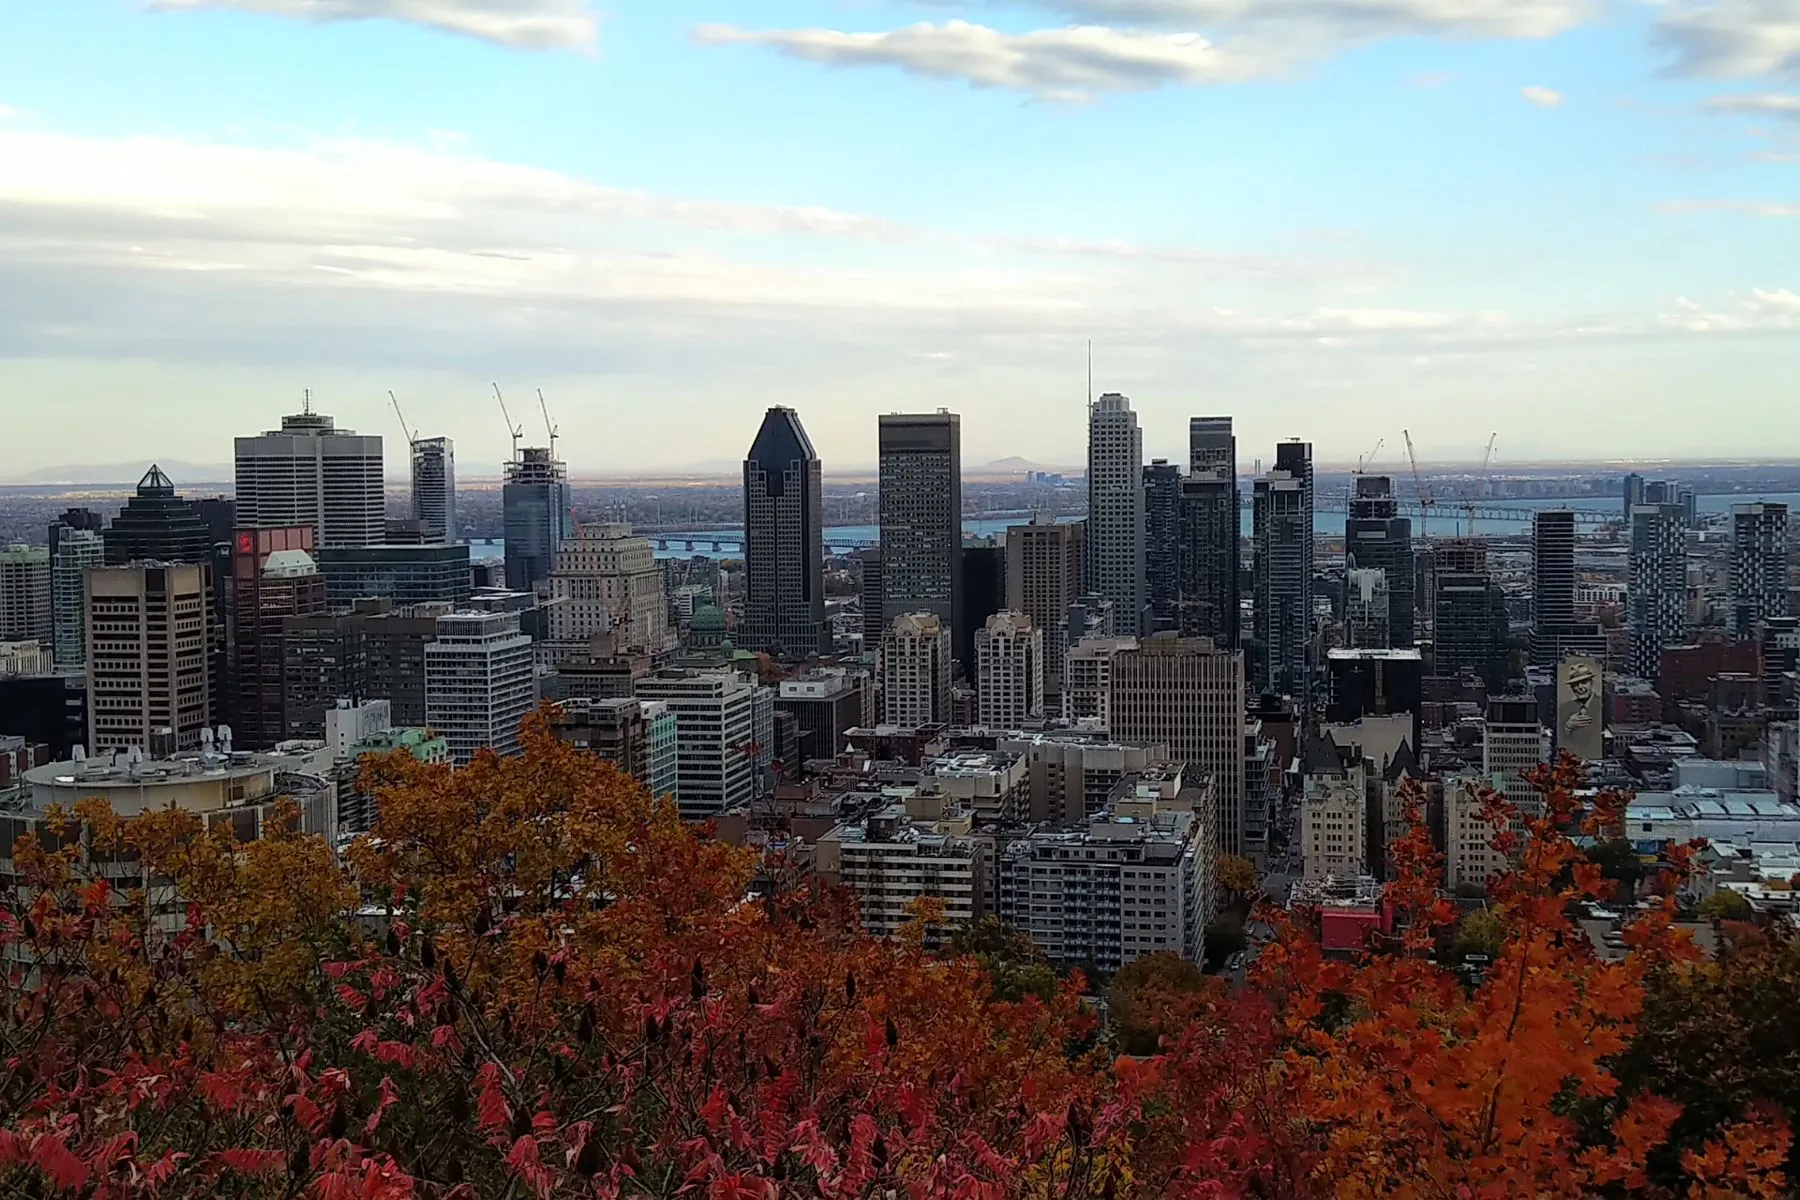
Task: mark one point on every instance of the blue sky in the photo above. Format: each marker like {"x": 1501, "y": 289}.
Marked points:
{"x": 1571, "y": 222}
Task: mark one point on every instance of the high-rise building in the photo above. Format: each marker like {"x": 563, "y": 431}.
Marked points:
{"x": 921, "y": 515}
{"x": 784, "y": 548}
{"x": 535, "y": 503}
{"x": 1656, "y": 596}
{"x": 274, "y": 578}
{"x": 73, "y": 520}
{"x": 375, "y": 651}
{"x": 434, "y": 488}
{"x": 1555, "y": 633}
{"x": 1759, "y": 566}
{"x": 1044, "y": 565}
{"x": 1632, "y": 490}
{"x": 1162, "y": 544}
{"x": 1374, "y": 683}
{"x": 983, "y": 594}
{"x": 824, "y": 704}
{"x": 1283, "y": 509}
{"x": 1207, "y": 557}
{"x": 1512, "y": 744}
{"x": 75, "y": 551}
{"x": 25, "y": 595}
{"x": 480, "y": 683}
{"x": 1115, "y": 520}
{"x": 1087, "y": 678}
{"x": 869, "y": 597}
{"x": 1188, "y": 694}
{"x": 1009, "y": 671}
{"x": 1366, "y": 608}
{"x": 606, "y": 581}
{"x": 157, "y": 525}
{"x": 915, "y": 670}
{"x": 309, "y": 472}
{"x": 1376, "y": 536}
{"x": 715, "y": 732}
{"x": 1212, "y": 446}
{"x": 1469, "y": 621}
{"x": 150, "y": 637}
{"x": 437, "y": 573}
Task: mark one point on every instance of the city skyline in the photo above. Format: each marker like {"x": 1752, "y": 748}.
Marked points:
{"x": 1380, "y": 217}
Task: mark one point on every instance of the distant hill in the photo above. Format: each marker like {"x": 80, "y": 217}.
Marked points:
{"x": 182, "y": 473}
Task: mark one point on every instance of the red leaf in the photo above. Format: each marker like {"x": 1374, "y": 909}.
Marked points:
{"x": 58, "y": 1162}
{"x": 495, "y": 1113}
{"x": 253, "y": 1163}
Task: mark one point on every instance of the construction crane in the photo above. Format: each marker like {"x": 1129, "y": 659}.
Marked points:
{"x": 516, "y": 431}
{"x": 412, "y": 435}
{"x": 1368, "y": 460}
{"x": 1479, "y": 486}
{"x": 1426, "y": 500}
{"x": 544, "y": 407}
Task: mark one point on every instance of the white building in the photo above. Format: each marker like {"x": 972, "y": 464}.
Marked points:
{"x": 25, "y": 613}
{"x": 77, "y": 550}
{"x": 606, "y": 581}
{"x": 1115, "y": 520}
{"x": 1470, "y": 857}
{"x": 1087, "y": 679}
{"x": 1009, "y": 671}
{"x": 1512, "y": 744}
{"x": 715, "y": 731}
{"x": 309, "y": 472}
{"x": 915, "y": 670}
{"x": 480, "y": 682}
{"x": 1334, "y": 823}
{"x": 921, "y": 846}
{"x": 25, "y": 658}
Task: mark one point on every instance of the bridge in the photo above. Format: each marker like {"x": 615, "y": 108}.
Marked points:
{"x": 734, "y": 543}
{"x": 1450, "y": 510}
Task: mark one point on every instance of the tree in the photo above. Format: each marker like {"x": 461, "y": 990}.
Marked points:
{"x": 1149, "y": 997}
{"x": 1238, "y": 876}
{"x": 1224, "y": 938}
{"x": 1725, "y": 905}
{"x": 1618, "y": 861}
{"x": 1481, "y": 932}
{"x": 1017, "y": 967}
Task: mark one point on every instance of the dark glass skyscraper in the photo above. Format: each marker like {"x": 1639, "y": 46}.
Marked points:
{"x": 1162, "y": 556}
{"x": 1207, "y": 535}
{"x": 1283, "y": 511}
{"x": 921, "y": 514}
{"x": 1554, "y": 630}
{"x": 1469, "y": 625}
{"x": 784, "y": 554}
{"x": 535, "y": 503}
{"x": 156, "y": 525}
{"x": 1377, "y": 537}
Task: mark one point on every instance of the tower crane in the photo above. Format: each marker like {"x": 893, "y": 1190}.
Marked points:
{"x": 1368, "y": 460}
{"x": 1426, "y": 499}
{"x": 544, "y": 407}
{"x": 516, "y": 431}
{"x": 412, "y": 435}
{"x": 1480, "y": 485}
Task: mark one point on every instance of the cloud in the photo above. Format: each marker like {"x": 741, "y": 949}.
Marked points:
{"x": 1732, "y": 38}
{"x": 526, "y": 24}
{"x": 1784, "y": 107}
{"x": 1761, "y": 310}
{"x": 1543, "y": 97}
{"x": 1343, "y": 20}
{"x": 1753, "y": 208}
{"x": 1062, "y": 64}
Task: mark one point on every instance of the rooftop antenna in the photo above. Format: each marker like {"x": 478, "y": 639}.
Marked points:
{"x": 1090, "y": 374}
{"x": 306, "y": 402}
{"x": 412, "y": 435}
{"x": 516, "y": 431}
{"x": 545, "y": 408}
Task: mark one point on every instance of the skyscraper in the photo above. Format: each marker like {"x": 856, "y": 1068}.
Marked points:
{"x": 1367, "y": 603}
{"x": 1212, "y": 446}
{"x": 535, "y": 504}
{"x": 1188, "y": 694}
{"x": 1656, "y": 596}
{"x": 150, "y": 640}
{"x": 1555, "y": 633}
{"x": 784, "y": 549}
{"x": 74, "y": 551}
{"x": 1469, "y": 623}
{"x": 309, "y": 472}
{"x": 607, "y": 581}
{"x": 1632, "y": 490}
{"x": 983, "y": 594}
{"x": 1162, "y": 544}
{"x": 25, "y": 595}
{"x": 1377, "y": 536}
{"x": 480, "y": 682}
{"x": 156, "y": 524}
{"x": 1044, "y": 565}
{"x": 915, "y": 671}
{"x": 274, "y": 577}
{"x": 1115, "y": 533}
{"x": 1208, "y": 530}
{"x": 1759, "y": 566}
{"x": 434, "y": 488}
{"x": 921, "y": 515}
{"x": 1009, "y": 673}
{"x": 1283, "y": 502}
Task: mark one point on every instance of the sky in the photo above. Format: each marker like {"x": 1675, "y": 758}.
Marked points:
{"x": 1571, "y": 223}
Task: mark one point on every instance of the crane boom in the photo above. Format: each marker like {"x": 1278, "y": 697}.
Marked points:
{"x": 1425, "y": 498}
{"x": 514, "y": 431}
{"x": 1479, "y": 487}
{"x": 412, "y": 435}
{"x": 1368, "y": 460}
{"x": 544, "y": 407}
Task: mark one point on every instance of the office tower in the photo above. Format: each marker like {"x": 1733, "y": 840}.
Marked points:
{"x": 1162, "y": 546}
{"x": 150, "y": 641}
{"x": 606, "y": 581}
{"x": 1212, "y": 446}
{"x": 1115, "y": 532}
{"x": 375, "y": 651}
{"x": 157, "y": 525}
{"x": 1469, "y": 622}
{"x": 434, "y": 488}
{"x": 868, "y": 592}
{"x": 219, "y": 515}
{"x": 1377, "y": 536}
{"x": 1759, "y": 566}
{"x": 1374, "y": 683}
{"x": 1089, "y": 617}
{"x": 1511, "y": 745}
{"x": 921, "y": 515}
{"x": 983, "y": 594}
{"x": 75, "y": 551}
{"x": 1188, "y": 694}
{"x": 784, "y": 548}
{"x": 406, "y": 575}
{"x": 715, "y": 733}
{"x": 1087, "y": 683}
{"x": 480, "y": 683}
{"x": 1367, "y": 604}
{"x": 1009, "y": 671}
{"x": 826, "y": 703}
{"x": 1632, "y": 490}
{"x": 84, "y": 520}
{"x": 1207, "y": 603}
{"x": 915, "y": 671}
{"x": 535, "y": 502}
{"x": 1045, "y": 561}
{"x": 274, "y": 578}
{"x": 25, "y": 595}
{"x": 1283, "y": 509}
{"x": 309, "y": 472}
{"x": 1656, "y": 596}
{"x": 1555, "y": 633}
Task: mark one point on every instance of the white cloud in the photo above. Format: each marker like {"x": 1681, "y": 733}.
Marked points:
{"x": 1344, "y": 20}
{"x": 1780, "y": 106}
{"x": 1761, "y": 310}
{"x": 1732, "y": 38}
{"x": 528, "y": 24}
{"x": 1060, "y": 64}
{"x": 1543, "y": 97}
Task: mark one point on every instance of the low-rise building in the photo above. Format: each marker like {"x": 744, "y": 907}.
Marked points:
{"x": 1087, "y": 678}
{"x": 919, "y": 847}
{"x": 1069, "y": 775}
{"x": 992, "y": 783}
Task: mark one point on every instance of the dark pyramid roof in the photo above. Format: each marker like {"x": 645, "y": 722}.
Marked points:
{"x": 1321, "y": 756}
{"x": 1404, "y": 762}
{"x": 781, "y": 440}
{"x": 155, "y": 483}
